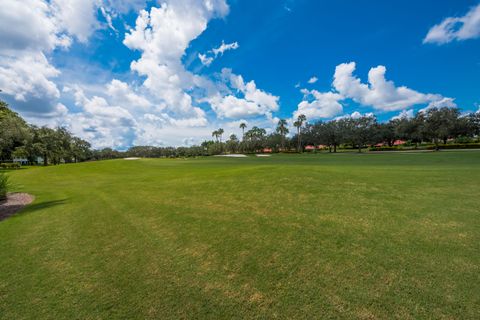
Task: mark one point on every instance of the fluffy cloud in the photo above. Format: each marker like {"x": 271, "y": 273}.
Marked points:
{"x": 206, "y": 59}
{"x": 162, "y": 36}
{"x": 103, "y": 124}
{"x": 253, "y": 101}
{"x": 120, "y": 92}
{"x": 324, "y": 105}
{"x": 28, "y": 25}
{"x": 456, "y": 28}
{"x": 379, "y": 92}
{"x": 441, "y": 103}
{"x": 312, "y": 80}
{"x": 27, "y": 77}
{"x": 76, "y": 17}
{"x": 233, "y": 107}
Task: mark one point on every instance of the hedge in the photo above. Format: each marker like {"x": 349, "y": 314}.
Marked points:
{"x": 10, "y": 165}
{"x": 430, "y": 147}
{"x": 456, "y": 146}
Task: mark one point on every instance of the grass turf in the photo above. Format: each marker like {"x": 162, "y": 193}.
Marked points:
{"x": 291, "y": 236}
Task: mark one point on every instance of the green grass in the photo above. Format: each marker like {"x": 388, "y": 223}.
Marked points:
{"x": 295, "y": 236}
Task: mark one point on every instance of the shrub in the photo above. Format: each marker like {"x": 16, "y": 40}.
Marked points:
{"x": 463, "y": 140}
{"x": 457, "y": 146}
{"x": 10, "y": 165}
{"x": 384, "y": 148}
{"x": 4, "y": 186}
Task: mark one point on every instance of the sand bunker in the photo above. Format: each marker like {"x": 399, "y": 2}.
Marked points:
{"x": 131, "y": 158}
{"x": 263, "y": 155}
{"x": 232, "y": 155}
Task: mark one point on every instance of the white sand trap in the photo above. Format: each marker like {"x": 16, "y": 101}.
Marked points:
{"x": 232, "y": 155}
{"x": 263, "y": 155}
{"x": 131, "y": 158}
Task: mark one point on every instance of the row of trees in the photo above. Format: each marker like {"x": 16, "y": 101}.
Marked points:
{"x": 21, "y": 140}
{"x": 434, "y": 126}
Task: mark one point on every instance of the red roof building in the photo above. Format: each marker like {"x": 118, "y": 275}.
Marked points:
{"x": 399, "y": 142}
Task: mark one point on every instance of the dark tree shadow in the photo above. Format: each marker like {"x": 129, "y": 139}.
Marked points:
{"x": 19, "y": 210}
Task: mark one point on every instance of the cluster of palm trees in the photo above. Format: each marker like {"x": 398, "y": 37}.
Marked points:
{"x": 298, "y": 124}
{"x": 217, "y": 134}
{"x": 256, "y": 138}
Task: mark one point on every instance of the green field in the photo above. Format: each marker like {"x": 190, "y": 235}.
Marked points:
{"x": 371, "y": 236}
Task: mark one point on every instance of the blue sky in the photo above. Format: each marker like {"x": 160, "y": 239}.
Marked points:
{"x": 122, "y": 73}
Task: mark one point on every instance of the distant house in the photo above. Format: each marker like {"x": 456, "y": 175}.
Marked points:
{"x": 267, "y": 150}
{"x": 322, "y": 147}
{"x": 22, "y": 161}
{"x": 310, "y": 148}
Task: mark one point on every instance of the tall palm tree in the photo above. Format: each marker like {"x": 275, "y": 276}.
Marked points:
{"x": 215, "y": 135}
{"x": 298, "y": 124}
{"x": 282, "y": 130}
{"x": 243, "y": 126}
{"x": 220, "y": 133}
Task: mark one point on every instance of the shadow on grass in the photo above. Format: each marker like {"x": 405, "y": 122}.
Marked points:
{"x": 19, "y": 210}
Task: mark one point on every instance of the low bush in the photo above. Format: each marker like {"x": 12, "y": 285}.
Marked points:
{"x": 456, "y": 146}
{"x": 10, "y": 165}
{"x": 4, "y": 186}
{"x": 384, "y": 148}
{"x": 463, "y": 140}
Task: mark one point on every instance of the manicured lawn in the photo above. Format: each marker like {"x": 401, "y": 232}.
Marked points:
{"x": 292, "y": 236}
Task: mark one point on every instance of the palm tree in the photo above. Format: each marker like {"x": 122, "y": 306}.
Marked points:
{"x": 243, "y": 126}
{"x": 232, "y": 143}
{"x": 220, "y": 133}
{"x": 298, "y": 124}
{"x": 282, "y": 130}
{"x": 215, "y": 135}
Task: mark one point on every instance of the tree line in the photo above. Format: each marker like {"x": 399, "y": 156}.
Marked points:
{"x": 20, "y": 140}
{"x": 435, "y": 126}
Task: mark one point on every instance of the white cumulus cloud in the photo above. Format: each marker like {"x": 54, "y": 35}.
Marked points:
{"x": 324, "y": 105}
{"x": 120, "y": 92}
{"x": 456, "y": 28}
{"x": 102, "y": 123}
{"x": 252, "y": 101}
{"x": 162, "y": 36}
{"x": 379, "y": 93}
